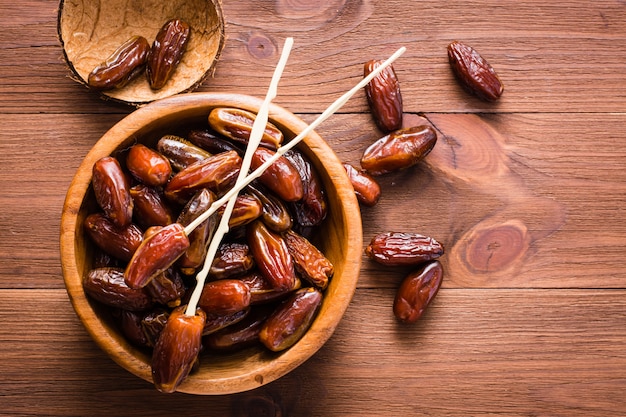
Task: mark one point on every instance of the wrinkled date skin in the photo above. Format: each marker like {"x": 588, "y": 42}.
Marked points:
{"x": 398, "y": 150}
{"x": 416, "y": 292}
{"x": 112, "y": 192}
{"x": 232, "y": 259}
{"x": 156, "y": 253}
{"x": 403, "y": 249}
{"x": 167, "y": 288}
{"x": 312, "y": 265}
{"x": 366, "y": 188}
{"x": 153, "y": 324}
{"x": 180, "y": 152}
{"x": 177, "y": 349}
{"x": 236, "y": 124}
{"x": 288, "y": 323}
{"x": 150, "y": 209}
{"x": 474, "y": 72}
{"x": 384, "y": 97}
{"x": 107, "y": 286}
{"x": 121, "y": 243}
{"x": 311, "y": 209}
{"x": 271, "y": 255}
{"x": 224, "y": 296}
{"x": 281, "y": 177}
{"x": 216, "y": 173}
{"x": 148, "y": 166}
{"x": 125, "y": 63}
{"x": 167, "y": 50}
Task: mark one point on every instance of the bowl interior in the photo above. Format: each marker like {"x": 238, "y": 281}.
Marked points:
{"x": 90, "y": 31}
{"x": 340, "y": 238}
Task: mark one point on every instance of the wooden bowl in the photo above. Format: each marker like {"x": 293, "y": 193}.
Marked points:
{"x": 341, "y": 241}
{"x": 90, "y": 31}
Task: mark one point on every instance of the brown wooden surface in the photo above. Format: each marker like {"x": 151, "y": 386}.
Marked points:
{"x": 527, "y": 195}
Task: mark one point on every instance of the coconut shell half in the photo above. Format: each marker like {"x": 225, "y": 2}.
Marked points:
{"x": 91, "y": 30}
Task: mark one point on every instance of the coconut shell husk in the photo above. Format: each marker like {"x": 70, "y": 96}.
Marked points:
{"x": 91, "y": 30}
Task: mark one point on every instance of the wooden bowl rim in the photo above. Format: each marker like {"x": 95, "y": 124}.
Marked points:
{"x": 331, "y": 313}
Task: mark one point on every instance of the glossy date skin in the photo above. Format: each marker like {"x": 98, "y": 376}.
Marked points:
{"x": 200, "y": 238}
{"x": 150, "y": 209}
{"x": 216, "y": 173}
{"x": 112, "y": 191}
{"x": 417, "y": 291}
{"x": 274, "y": 212}
{"x": 236, "y": 124}
{"x": 124, "y": 64}
{"x": 156, "y": 253}
{"x": 180, "y": 152}
{"x": 177, "y": 349}
{"x": 366, "y": 188}
{"x": 148, "y": 166}
{"x": 232, "y": 259}
{"x": 403, "y": 249}
{"x": 311, "y": 209}
{"x": 281, "y": 177}
{"x": 167, "y": 50}
{"x": 288, "y": 323}
{"x": 224, "y": 296}
{"x": 121, "y": 243}
{"x": 473, "y": 72}
{"x": 384, "y": 97}
{"x": 107, "y": 286}
{"x": 399, "y": 150}
{"x": 271, "y": 256}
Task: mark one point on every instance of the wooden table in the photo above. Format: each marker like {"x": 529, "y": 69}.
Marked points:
{"x": 527, "y": 195}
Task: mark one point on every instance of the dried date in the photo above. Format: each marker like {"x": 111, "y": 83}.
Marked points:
{"x": 366, "y": 188}
{"x": 124, "y": 64}
{"x": 416, "y": 292}
{"x": 312, "y": 265}
{"x": 107, "y": 286}
{"x": 157, "y": 252}
{"x": 180, "y": 152}
{"x": 216, "y": 173}
{"x": 224, "y": 296}
{"x": 148, "y": 166}
{"x": 150, "y": 209}
{"x": 121, "y": 243}
{"x": 398, "y": 150}
{"x": 403, "y": 248}
{"x": 166, "y": 52}
{"x": 473, "y": 72}
{"x": 288, "y": 323}
{"x": 177, "y": 349}
{"x": 111, "y": 189}
{"x": 384, "y": 97}
{"x": 236, "y": 124}
{"x": 271, "y": 256}
{"x": 281, "y": 177}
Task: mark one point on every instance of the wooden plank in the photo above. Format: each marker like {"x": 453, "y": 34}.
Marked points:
{"x": 559, "y": 57}
{"x": 519, "y": 200}
{"x": 475, "y": 352}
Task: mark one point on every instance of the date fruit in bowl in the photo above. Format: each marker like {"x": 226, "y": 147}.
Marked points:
{"x": 140, "y": 51}
{"x": 338, "y": 237}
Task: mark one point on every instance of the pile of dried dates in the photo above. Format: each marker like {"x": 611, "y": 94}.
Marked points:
{"x": 267, "y": 280}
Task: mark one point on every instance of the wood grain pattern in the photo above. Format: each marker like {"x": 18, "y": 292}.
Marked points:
{"x": 527, "y": 195}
